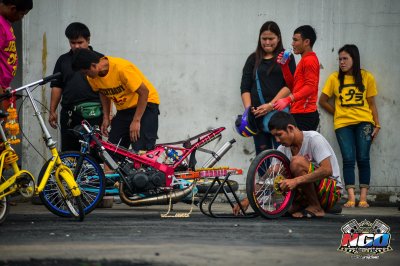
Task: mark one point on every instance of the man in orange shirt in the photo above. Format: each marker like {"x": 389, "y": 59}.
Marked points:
{"x": 304, "y": 83}
{"x": 136, "y": 99}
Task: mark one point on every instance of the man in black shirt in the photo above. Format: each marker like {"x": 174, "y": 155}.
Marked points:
{"x": 73, "y": 90}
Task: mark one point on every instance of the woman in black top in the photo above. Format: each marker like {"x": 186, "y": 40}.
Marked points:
{"x": 262, "y": 63}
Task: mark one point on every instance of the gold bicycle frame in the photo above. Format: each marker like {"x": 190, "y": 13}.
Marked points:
{"x": 10, "y": 182}
{"x": 8, "y": 158}
{"x": 62, "y": 172}
{"x": 55, "y": 162}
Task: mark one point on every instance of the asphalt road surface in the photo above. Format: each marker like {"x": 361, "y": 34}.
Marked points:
{"x": 122, "y": 235}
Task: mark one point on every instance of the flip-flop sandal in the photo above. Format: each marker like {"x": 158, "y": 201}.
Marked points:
{"x": 363, "y": 204}
{"x": 308, "y": 215}
{"x": 349, "y": 204}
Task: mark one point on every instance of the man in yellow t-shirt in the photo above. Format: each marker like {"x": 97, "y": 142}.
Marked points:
{"x": 135, "y": 98}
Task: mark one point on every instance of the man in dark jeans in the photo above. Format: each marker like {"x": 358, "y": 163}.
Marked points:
{"x": 72, "y": 89}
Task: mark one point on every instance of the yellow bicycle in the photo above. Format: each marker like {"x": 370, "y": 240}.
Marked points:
{"x": 65, "y": 190}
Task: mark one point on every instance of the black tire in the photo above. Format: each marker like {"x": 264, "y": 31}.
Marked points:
{"x": 4, "y": 209}
{"x": 75, "y": 206}
{"x": 71, "y": 206}
{"x": 92, "y": 192}
{"x": 202, "y": 186}
{"x": 268, "y": 200}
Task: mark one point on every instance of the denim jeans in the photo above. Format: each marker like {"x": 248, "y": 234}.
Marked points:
{"x": 355, "y": 143}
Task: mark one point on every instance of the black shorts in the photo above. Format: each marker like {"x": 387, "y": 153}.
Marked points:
{"x": 307, "y": 121}
{"x": 121, "y": 122}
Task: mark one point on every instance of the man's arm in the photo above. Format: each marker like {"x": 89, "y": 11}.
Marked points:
{"x": 56, "y": 93}
{"x": 287, "y": 69}
{"x": 323, "y": 171}
{"x": 284, "y": 92}
{"x": 105, "y": 103}
{"x": 143, "y": 93}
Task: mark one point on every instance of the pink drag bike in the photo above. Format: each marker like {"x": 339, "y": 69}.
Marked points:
{"x": 164, "y": 175}
{"x": 168, "y": 174}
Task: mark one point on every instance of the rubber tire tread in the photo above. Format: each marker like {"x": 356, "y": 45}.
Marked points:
{"x": 79, "y": 203}
{"x": 7, "y": 210}
{"x": 250, "y": 182}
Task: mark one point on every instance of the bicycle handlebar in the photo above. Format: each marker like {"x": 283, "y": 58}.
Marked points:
{"x": 50, "y": 78}
{"x": 8, "y": 93}
{"x": 103, "y": 152}
{"x": 39, "y": 82}
{"x": 90, "y": 131}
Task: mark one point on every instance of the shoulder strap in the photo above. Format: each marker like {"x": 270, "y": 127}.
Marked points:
{"x": 259, "y": 88}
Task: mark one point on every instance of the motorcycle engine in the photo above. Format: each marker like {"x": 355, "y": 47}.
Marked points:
{"x": 143, "y": 179}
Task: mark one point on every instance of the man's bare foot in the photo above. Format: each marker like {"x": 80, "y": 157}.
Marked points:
{"x": 236, "y": 208}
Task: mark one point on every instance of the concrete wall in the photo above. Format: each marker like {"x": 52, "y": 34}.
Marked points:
{"x": 194, "y": 51}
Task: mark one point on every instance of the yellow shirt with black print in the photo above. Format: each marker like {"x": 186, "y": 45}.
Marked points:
{"x": 121, "y": 82}
{"x": 351, "y": 105}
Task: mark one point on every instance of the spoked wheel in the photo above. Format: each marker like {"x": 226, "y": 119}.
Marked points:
{"x": 59, "y": 203}
{"x": 4, "y": 209}
{"x": 90, "y": 179}
{"x": 262, "y": 185}
{"x": 73, "y": 203}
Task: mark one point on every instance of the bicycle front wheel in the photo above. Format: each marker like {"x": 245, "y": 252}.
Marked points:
{"x": 74, "y": 203}
{"x": 90, "y": 178}
{"x": 4, "y": 209}
{"x": 266, "y": 171}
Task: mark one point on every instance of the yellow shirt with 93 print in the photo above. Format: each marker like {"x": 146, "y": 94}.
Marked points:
{"x": 351, "y": 105}
{"x": 121, "y": 82}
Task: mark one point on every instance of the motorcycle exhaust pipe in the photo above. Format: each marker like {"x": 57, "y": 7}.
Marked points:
{"x": 162, "y": 199}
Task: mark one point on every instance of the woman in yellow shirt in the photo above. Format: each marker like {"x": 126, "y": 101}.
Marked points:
{"x": 356, "y": 119}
